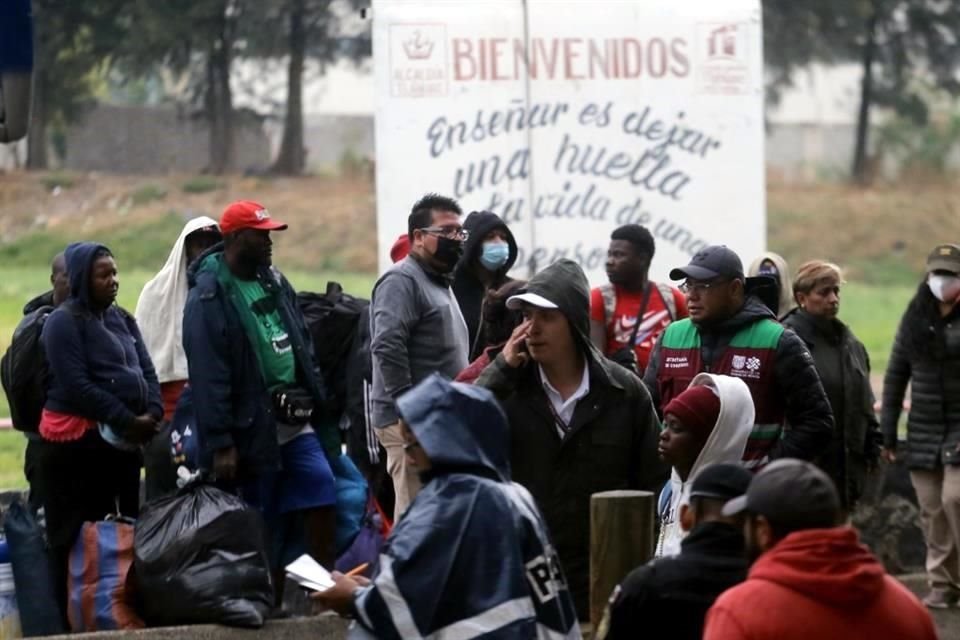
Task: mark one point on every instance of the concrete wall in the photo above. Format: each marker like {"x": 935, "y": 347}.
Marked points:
{"x": 131, "y": 139}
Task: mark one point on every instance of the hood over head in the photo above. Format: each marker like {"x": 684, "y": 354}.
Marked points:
{"x": 726, "y": 444}
{"x": 479, "y": 224}
{"x": 784, "y": 281}
{"x": 458, "y": 425}
{"x": 79, "y": 258}
{"x": 564, "y": 285}
{"x": 825, "y": 565}
{"x": 159, "y": 310}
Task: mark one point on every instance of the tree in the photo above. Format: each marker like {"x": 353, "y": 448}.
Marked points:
{"x": 894, "y": 41}
{"x": 73, "y": 44}
{"x": 200, "y": 37}
{"x": 303, "y": 31}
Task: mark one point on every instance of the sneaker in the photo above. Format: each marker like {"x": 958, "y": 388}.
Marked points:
{"x": 941, "y": 599}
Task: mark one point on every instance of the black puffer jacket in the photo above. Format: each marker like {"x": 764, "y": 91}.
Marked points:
{"x": 467, "y": 287}
{"x": 808, "y": 415}
{"x": 844, "y": 369}
{"x": 611, "y": 442}
{"x": 926, "y": 353}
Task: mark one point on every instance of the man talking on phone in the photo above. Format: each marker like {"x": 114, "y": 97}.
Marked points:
{"x": 579, "y": 423}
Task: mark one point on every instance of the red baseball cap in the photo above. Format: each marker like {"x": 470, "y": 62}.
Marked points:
{"x": 247, "y": 214}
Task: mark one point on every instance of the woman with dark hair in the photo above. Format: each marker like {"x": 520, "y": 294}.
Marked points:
{"x": 496, "y": 326}
{"x": 844, "y": 368}
{"x": 103, "y": 401}
{"x": 926, "y": 354}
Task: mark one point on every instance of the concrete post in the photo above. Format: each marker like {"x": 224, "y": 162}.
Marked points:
{"x": 621, "y": 539}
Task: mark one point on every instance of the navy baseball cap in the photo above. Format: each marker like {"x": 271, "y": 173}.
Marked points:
{"x": 792, "y": 493}
{"x": 724, "y": 481}
{"x": 715, "y": 261}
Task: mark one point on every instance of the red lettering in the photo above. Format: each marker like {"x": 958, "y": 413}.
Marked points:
{"x": 569, "y": 55}
{"x": 598, "y": 58}
{"x": 483, "y": 59}
{"x": 678, "y": 49}
{"x": 549, "y": 60}
{"x": 632, "y": 71}
{"x": 520, "y": 56}
{"x": 495, "y": 53}
{"x": 615, "y": 55}
{"x": 657, "y": 58}
{"x": 463, "y": 52}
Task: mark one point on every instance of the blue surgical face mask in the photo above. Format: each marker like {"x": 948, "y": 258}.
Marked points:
{"x": 495, "y": 255}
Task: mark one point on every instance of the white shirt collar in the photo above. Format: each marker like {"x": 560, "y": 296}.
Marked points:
{"x": 565, "y": 408}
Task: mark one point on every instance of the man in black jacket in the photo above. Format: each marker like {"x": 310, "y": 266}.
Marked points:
{"x": 669, "y": 597}
{"x": 730, "y": 332}
{"x": 579, "y": 423}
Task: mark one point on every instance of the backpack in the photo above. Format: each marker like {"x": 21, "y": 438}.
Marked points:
{"x": 24, "y": 372}
{"x": 333, "y": 320}
{"x": 609, "y": 293}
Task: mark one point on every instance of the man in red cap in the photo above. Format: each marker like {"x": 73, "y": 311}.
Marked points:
{"x": 260, "y": 396}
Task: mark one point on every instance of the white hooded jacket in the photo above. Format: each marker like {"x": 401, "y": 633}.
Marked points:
{"x": 159, "y": 311}
{"x": 726, "y": 443}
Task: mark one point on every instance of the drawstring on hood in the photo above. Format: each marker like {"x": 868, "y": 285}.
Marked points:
{"x": 458, "y": 426}
{"x": 726, "y": 444}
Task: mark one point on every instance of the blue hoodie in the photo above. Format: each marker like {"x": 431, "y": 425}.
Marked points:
{"x": 472, "y": 556}
{"x": 99, "y": 367}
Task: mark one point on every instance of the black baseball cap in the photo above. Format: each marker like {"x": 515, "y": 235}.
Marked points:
{"x": 715, "y": 261}
{"x": 721, "y": 482}
{"x": 791, "y": 493}
{"x": 944, "y": 257}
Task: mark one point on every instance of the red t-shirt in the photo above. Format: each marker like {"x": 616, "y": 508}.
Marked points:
{"x": 655, "y": 319}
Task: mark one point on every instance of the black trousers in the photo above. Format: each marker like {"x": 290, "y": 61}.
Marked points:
{"x": 83, "y": 481}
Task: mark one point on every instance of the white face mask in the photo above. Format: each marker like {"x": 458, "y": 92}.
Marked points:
{"x": 944, "y": 288}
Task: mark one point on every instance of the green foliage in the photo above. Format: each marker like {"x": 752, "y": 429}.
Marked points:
{"x": 147, "y": 193}
{"x": 922, "y": 148}
{"x": 53, "y": 180}
{"x": 202, "y": 184}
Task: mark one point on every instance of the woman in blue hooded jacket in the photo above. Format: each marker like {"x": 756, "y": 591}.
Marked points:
{"x": 102, "y": 389}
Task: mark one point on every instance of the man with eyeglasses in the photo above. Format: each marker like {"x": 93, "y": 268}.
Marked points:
{"x": 416, "y": 327}
{"x": 731, "y": 332}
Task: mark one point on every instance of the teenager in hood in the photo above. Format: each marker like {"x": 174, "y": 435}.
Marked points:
{"x": 774, "y": 268}
{"x": 159, "y": 315}
{"x": 102, "y": 385}
{"x": 472, "y": 556}
{"x": 811, "y": 578}
{"x": 709, "y": 423}
{"x": 579, "y": 423}
{"x": 488, "y": 254}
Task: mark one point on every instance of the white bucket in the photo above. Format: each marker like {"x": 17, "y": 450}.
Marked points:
{"x": 9, "y": 614}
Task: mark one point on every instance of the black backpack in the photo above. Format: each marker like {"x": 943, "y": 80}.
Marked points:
{"x": 24, "y": 372}
{"x": 333, "y": 320}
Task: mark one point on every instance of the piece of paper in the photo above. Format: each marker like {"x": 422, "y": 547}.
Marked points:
{"x": 308, "y": 573}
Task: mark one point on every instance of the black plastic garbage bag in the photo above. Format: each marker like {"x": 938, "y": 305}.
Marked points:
{"x": 36, "y": 598}
{"x": 200, "y": 558}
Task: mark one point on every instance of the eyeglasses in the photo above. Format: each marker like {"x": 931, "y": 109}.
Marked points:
{"x": 454, "y": 233}
{"x": 698, "y": 287}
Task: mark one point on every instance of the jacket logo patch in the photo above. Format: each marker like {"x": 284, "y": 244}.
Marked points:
{"x": 745, "y": 367}
{"x": 676, "y": 362}
{"x": 545, "y": 577}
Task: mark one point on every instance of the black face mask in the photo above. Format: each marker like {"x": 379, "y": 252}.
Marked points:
{"x": 448, "y": 252}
